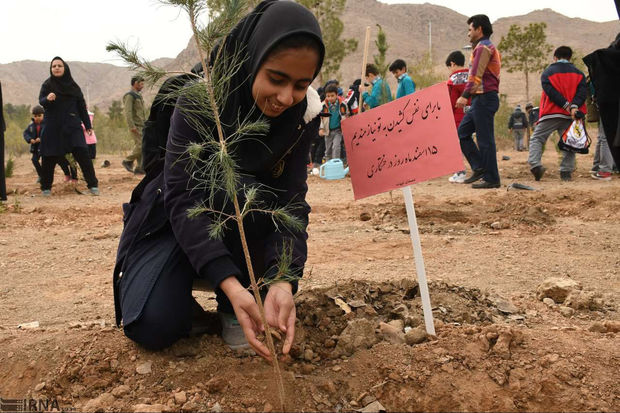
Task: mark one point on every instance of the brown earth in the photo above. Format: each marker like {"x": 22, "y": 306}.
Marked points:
{"x": 498, "y": 348}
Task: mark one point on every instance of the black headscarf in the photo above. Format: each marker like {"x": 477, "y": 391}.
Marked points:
{"x": 271, "y": 22}
{"x": 63, "y": 85}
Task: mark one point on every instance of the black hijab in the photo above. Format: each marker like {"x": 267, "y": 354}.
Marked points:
{"x": 63, "y": 85}
{"x": 256, "y": 35}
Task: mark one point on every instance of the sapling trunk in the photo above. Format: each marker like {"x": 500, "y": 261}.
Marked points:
{"x": 219, "y": 172}
{"x": 239, "y": 219}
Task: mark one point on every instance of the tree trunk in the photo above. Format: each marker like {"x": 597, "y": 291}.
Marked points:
{"x": 527, "y": 87}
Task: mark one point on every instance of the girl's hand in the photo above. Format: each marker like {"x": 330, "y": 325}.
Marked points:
{"x": 51, "y": 97}
{"x": 247, "y": 313}
{"x": 280, "y": 311}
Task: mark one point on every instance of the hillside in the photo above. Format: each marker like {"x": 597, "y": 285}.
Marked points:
{"x": 104, "y": 83}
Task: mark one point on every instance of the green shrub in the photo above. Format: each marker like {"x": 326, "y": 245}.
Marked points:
{"x": 10, "y": 167}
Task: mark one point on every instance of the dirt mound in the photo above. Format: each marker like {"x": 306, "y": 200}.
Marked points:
{"x": 483, "y": 358}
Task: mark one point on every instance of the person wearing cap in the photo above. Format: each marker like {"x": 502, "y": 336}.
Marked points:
{"x": 517, "y": 124}
{"x": 135, "y": 116}
{"x": 532, "y": 118}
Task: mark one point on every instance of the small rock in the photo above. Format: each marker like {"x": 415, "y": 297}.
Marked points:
{"x": 415, "y": 336}
{"x": 502, "y": 346}
{"x": 216, "y": 408}
{"x": 307, "y": 368}
{"x": 216, "y": 385}
{"x": 180, "y": 397}
{"x": 566, "y": 311}
{"x": 397, "y": 324}
{"x": 548, "y": 302}
{"x": 149, "y": 408}
{"x": 359, "y": 334}
{"x": 336, "y": 368}
{"x": 308, "y": 354}
{"x": 39, "y": 386}
{"x": 190, "y": 406}
{"x": 582, "y": 300}
{"x": 401, "y": 310}
{"x": 356, "y": 303}
{"x": 99, "y": 403}
{"x": 394, "y": 376}
{"x": 121, "y": 390}
{"x": 329, "y": 343}
{"x": 391, "y": 334}
{"x": 598, "y": 327}
{"x": 496, "y": 225}
{"x": 612, "y": 326}
{"x": 144, "y": 368}
{"x": 505, "y": 306}
{"x": 365, "y": 216}
{"x": 557, "y": 289}
{"x": 267, "y": 407}
{"x": 374, "y": 407}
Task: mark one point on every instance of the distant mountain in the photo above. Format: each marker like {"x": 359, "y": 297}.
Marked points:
{"x": 101, "y": 83}
{"x": 406, "y": 27}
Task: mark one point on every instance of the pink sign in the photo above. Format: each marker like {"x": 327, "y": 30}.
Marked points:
{"x": 409, "y": 140}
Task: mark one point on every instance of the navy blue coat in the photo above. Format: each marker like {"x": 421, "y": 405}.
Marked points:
{"x": 63, "y": 124}
{"x": 157, "y": 229}
{"x": 31, "y": 133}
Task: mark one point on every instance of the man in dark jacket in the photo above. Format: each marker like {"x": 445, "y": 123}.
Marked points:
{"x": 563, "y": 96}
{"x": 2, "y": 129}
{"x": 604, "y": 68}
{"x": 517, "y": 125}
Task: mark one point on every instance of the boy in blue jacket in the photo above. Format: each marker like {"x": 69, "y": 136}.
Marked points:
{"x": 32, "y": 135}
{"x": 406, "y": 85}
{"x": 337, "y": 110}
{"x": 380, "y": 93}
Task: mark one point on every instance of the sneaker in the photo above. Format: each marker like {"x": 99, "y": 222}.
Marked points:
{"x": 46, "y": 192}
{"x": 67, "y": 178}
{"x": 538, "y": 172}
{"x": 475, "y": 176}
{"x": 457, "y": 178}
{"x": 566, "y": 176}
{"x": 232, "y": 333}
{"x": 127, "y": 165}
{"x": 94, "y": 191}
{"x": 602, "y": 176}
{"x": 594, "y": 169}
{"x": 315, "y": 171}
{"x": 485, "y": 185}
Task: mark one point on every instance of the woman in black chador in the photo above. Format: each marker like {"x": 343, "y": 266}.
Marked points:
{"x": 65, "y": 110}
{"x": 162, "y": 251}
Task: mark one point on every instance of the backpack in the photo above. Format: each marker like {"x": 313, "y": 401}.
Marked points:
{"x": 155, "y": 132}
{"x": 575, "y": 138}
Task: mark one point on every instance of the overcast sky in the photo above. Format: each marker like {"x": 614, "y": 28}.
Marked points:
{"x": 78, "y": 30}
